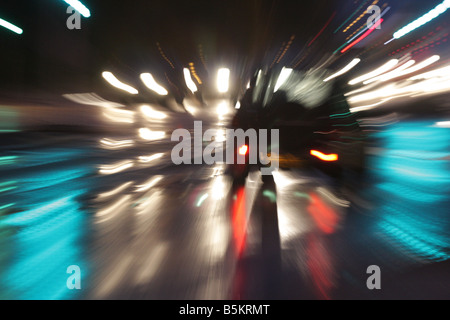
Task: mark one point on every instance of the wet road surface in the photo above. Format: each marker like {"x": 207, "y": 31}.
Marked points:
{"x": 139, "y": 227}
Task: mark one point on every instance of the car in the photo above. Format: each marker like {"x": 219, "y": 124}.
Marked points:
{"x": 316, "y": 128}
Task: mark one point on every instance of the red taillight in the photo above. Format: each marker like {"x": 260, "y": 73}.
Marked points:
{"x": 243, "y": 150}
{"x": 324, "y": 157}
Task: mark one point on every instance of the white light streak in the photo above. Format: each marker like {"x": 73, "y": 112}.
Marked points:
{"x": 81, "y": 8}
{"x": 421, "y": 65}
{"x": 10, "y": 26}
{"x": 223, "y": 77}
{"x": 218, "y": 188}
{"x": 437, "y": 73}
{"x": 108, "y": 76}
{"x": 113, "y": 207}
{"x": 152, "y": 114}
{"x": 115, "y": 191}
{"x": 149, "y": 184}
{"x": 443, "y": 124}
{"x": 150, "y": 82}
{"x": 222, "y": 109}
{"x": 282, "y": 78}
{"x": 368, "y": 107}
{"x": 148, "y": 134}
{"x": 119, "y": 115}
{"x": 430, "y": 15}
{"x": 344, "y": 70}
{"x": 393, "y": 74}
{"x": 189, "y": 82}
{"x": 116, "y": 144}
{"x": 91, "y": 99}
{"x": 385, "y": 67}
{"x": 330, "y": 196}
{"x": 146, "y": 159}
{"x": 116, "y": 167}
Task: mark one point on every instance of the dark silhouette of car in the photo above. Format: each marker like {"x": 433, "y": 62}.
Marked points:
{"x": 316, "y": 128}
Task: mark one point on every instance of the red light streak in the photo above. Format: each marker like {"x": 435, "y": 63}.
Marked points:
{"x": 239, "y": 221}
{"x": 363, "y": 36}
{"x": 243, "y": 150}
{"x": 324, "y": 27}
{"x": 325, "y": 217}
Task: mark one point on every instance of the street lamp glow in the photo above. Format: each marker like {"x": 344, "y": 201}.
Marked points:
{"x": 10, "y": 26}
{"x": 223, "y": 77}
{"x": 81, "y": 8}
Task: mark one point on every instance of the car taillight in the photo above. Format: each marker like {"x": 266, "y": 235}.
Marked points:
{"x": 243, "y": 150}
{"x": 324, "y": 157}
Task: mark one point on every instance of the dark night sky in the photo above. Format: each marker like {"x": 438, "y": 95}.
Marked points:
{"x": 122, "y": 36}
{"x": 125, "y": 33}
